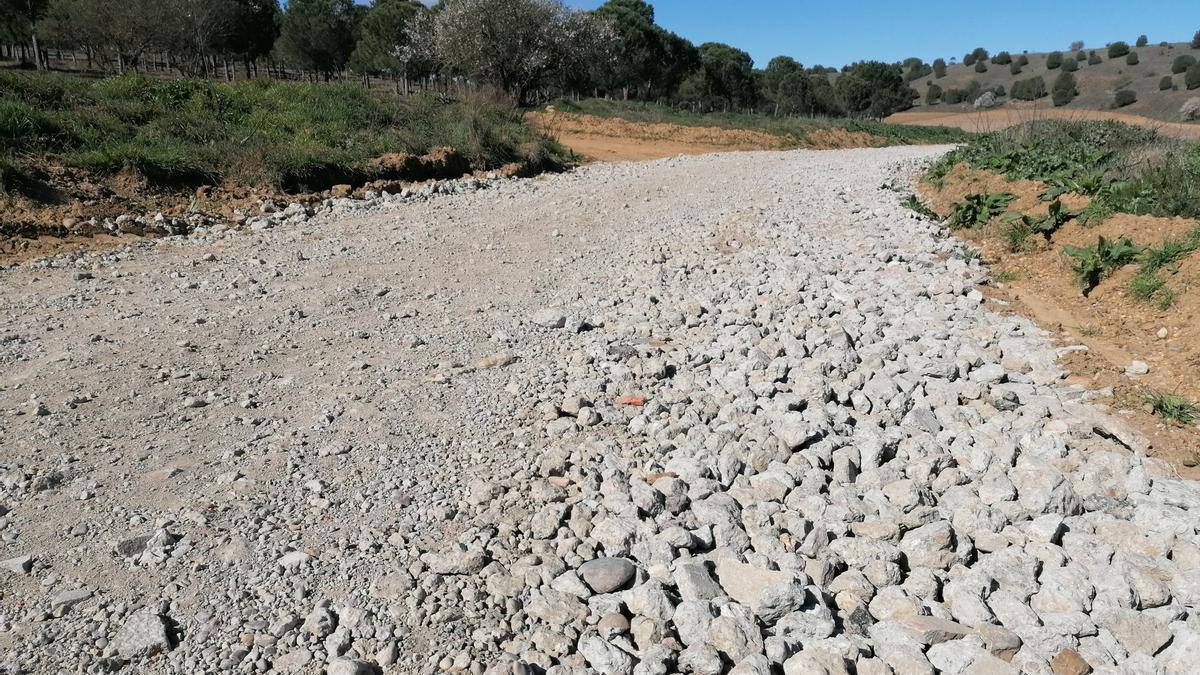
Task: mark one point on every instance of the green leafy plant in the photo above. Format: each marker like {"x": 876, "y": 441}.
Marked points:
{"x": 1093, "y": 263}
{"x": 1172, "y": 407}
{"x": 914, "y": 203}
{"x": 978, "y": 209}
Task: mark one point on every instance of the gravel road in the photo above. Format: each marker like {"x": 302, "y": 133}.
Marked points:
{"x": 730, "y": 413}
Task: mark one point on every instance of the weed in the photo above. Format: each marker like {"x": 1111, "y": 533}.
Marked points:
{"x": 1004, "y": 277}
{"x": 1172, "y": 407}
{"x": 1172, "y": 251}
{"x": 1089, "y": 330}
{"x": 978, "y": 209}
{"x": 1022, "y": 226}
{"x": 1017, "y": 234}
{"x": 1146, "y": 285}
{"x": 914, "y": 203}
{"x": 1093, "y": 263}
{"x": 969, "y": 254}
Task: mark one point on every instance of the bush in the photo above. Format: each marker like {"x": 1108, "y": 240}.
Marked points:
{"x": 939, "y": 68}
{"x": 1182, "y": 63}
{"x": 1054, "y": 60}
{"x": 1192, "y": 79}
{"x": 1142, "y": 41}
{"x": 1124, "y": 97}
{"x": 1015, "y": 68}
{"x": 1131, "y": 59}
{"x": 1002, "y": 59}
{"x": 1064, "y": 89}
{"x": 1030, "y": 89}
{"x": 1080, "y": 56}
{"x": 1070, "y": 65}
{"x": 933, "y": 95}
{"x": 1190, "y": 110}
{"x": 1167, "y": 83}
{"x": 981, "y": 67}
{"x": 954, "y": 96}
{"x": 1117, "y": 49}
{"x": 1094, "y": 59}
{"x": 1196, "y": 40}
{"x": 969, "y": 59}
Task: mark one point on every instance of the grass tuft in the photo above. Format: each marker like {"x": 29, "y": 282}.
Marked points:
{"x": 1172, "y": 407}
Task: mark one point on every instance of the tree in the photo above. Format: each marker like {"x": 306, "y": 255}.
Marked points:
{"x": 724, "y": 80}
{"x": 253, "y": 31}
{"x": 1077, "y": 46}
{"x": 318, "y": 35}
{"x": 649, "y": 61}
{"x": 18, "y": 24}
{"x": 1002, "y": 59}
{"x": 981, "y": 66}
{"x": 1196, "y": 40}
{"x": 384, "y": 37}
{"x": 1064, "y": 90}
{"x": 1030, "y": 89}
{"x": 781, "y": 86}
{"x": 933, "y": 95}
{"x": 1182, "y": 63}
{"x": 196, "y": 28}
{"x": 1014, "y": 68}
{"x": 1070, "y": 65}
{"x": 1054, "y": 60}
{"x": 1167, "y": 83}
{"x": 1124, "y": 97}
{"x": 1191, "y": 79}
{"x": 519, "y": 45}
{"x": 1142, "y": 41}
{"x": 939, "y": 68}
{"x": 1131, "y": 59}
{"x": 119, "y": 31}
{"x": 1118, "y": 49}
{"x": 873, "y": 89}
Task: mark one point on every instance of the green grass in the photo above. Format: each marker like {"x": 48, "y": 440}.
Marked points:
{"x": 1125, "y": 169}
{"x": 793, "y": 129}
{"x": 1149, "y": 284}
{"x": 1173, "y": 408}
{"x": 283, "y": 135}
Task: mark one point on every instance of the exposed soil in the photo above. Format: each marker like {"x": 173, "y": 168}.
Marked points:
{"x": 614, "y": 139}
{"x": 994, "y": 120}
{"x": 1116, "y": 327}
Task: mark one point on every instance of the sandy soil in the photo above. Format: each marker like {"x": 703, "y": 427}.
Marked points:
{"x": 617, "y": 140}
{"x": 994, "y": 120}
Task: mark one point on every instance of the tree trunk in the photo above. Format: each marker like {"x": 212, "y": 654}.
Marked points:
{"x": 37, "y": 52}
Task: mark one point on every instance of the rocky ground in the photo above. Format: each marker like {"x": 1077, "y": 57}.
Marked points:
{"x": 731, "y": 413}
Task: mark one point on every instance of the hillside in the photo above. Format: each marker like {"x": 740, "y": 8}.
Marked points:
{"x": 1096, "y": 82}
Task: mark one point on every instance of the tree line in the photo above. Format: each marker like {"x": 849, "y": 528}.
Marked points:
{"x": 532, "y": 50}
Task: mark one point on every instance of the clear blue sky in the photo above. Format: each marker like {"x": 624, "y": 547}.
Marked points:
{"x": 842, "y": 31}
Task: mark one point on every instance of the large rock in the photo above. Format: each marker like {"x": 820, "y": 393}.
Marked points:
{"x": 769, "y": 594}
{"x": 607, "y": 575}
{"x": 143, "y": 634}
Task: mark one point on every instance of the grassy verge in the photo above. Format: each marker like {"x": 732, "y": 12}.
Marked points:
{"x": 788, "y": 127}
{"x": 279, "y": 135}
{"x": 1124, "y": 169}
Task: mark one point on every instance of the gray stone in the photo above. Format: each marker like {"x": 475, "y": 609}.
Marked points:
{"x": 143, "y": 635}
{"x": 607, "y": 575}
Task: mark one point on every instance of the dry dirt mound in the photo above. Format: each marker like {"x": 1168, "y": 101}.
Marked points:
{"x": 616, "y": 139}
{"x": 994, "y": 120}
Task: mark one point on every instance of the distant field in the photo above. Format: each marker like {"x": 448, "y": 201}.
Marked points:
{"x": 1096, "y": 82}
{"x": 985, "y": 121}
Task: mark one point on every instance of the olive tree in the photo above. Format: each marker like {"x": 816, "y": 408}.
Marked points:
{"x": 517, "y": 45}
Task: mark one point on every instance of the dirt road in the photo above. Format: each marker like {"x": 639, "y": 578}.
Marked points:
{"x": 683, "y": 415}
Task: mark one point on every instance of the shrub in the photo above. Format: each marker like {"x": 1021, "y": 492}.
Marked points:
{"x": 1002, "y": 59}
{"x": 1166, "y": 83}
{"x": 1064, "y": 89}
{"x": 933, "y": 95}
{"x": 1182, "y": 63}
{"x": 1132, "y": 59}
{"x": 1023, "y": 59}
{"x": 1142, "y": 41}
{"x": 999, "y": 90}
{"x": 1015, "y": 68}
{"x": 1124, "y": 97}
{"x": 1118, "y": 49}
{"x": 969, "y": 59}
{"x": 954, "y": 96}
{"x": 1094, "y": 59}
{"x": 1070, "y": 65}
{"x": 1054, "y": 60}
{"x": 981, "y": 67}
{"x": 1080, "y": 56}
{"x": 1196, "y": 40}
{"x": 939, "y": 68}
{"x": 1190, "y": 110}
{"x": 1030, "y": 89}
{"x": 1093, "y": 263}
{"x": 978, "y": 209}
{"x": 1192, "y": 79}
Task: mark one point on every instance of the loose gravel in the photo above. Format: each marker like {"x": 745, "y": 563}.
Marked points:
{"x": 723, "y": 414}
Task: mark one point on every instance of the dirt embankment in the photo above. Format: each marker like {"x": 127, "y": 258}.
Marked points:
{"x": 613, "y": 139}
{"x": 985, "y": 121}
{"x": 1116, "y": 327}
